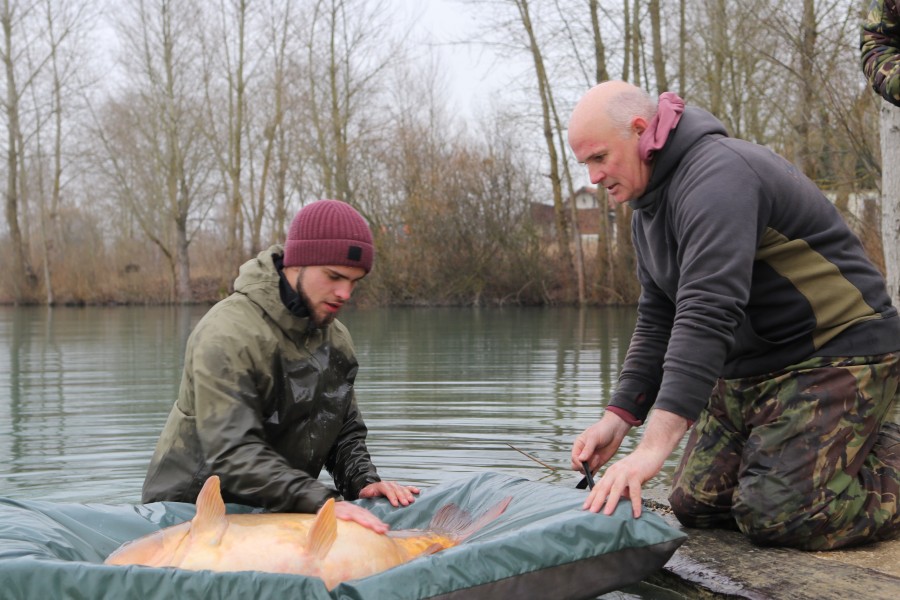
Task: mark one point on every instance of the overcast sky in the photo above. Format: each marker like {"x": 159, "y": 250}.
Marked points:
{"x": 474, "y": 72}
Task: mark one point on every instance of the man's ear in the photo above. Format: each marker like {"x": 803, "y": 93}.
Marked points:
{"x": 639, "y": 124}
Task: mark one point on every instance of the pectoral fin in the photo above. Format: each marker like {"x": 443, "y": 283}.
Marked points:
{"x": 323, "y": 531}
{"x": 209, "y": 524}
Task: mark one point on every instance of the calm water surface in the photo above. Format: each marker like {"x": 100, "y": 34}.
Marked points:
{"x": 446, "y": 392}
{"x": 84, "y": 392}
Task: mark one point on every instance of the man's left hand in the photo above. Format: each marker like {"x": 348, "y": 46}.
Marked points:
{"x": 395, "y": 493}
{"x": 625, "y": 478}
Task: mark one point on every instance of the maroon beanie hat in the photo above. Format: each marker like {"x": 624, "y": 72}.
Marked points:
{"x": 329, "y": 232}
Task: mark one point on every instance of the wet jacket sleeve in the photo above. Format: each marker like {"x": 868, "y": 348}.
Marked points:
{"x": 227, "y": 385}
{"x": 880, "y": 49}
{"x": 349, "y": 461}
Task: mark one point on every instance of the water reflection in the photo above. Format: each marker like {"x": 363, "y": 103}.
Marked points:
{"x": 446, "y": 391}
{"x": 83, "y": 393}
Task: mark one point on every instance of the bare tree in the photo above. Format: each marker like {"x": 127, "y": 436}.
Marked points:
{"x": 636, "y": 42}
{"x": 348, "y": 52}
{"x": 153, "y": 134}
{"x": 602, "y": 74}
{"x": 225, "y": 86}
{"x": 554, "y": 154}
{"x": 659, "y": 57}
{"x": 274, "y": 159}
{"x": 22, "y": 274}
{"x": 65, "y": 25}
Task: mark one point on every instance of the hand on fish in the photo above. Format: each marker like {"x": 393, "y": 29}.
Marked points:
{"x": 395, "y": 493}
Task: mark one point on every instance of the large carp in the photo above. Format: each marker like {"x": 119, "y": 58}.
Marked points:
{"x": 317, "y": 545}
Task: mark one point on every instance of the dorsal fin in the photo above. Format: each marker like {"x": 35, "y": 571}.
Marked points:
{"x": 323, "y": 531}
{"x": 209, "y": 522}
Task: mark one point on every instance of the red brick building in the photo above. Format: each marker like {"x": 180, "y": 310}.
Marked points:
{"x": 587, "y": 209}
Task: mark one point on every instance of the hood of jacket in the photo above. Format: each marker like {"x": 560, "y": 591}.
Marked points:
{"x": 258, "y": 280}
{"x": 694, "y": 124}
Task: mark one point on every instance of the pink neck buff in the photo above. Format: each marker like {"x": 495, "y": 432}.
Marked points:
{"x": 667, "y": 116}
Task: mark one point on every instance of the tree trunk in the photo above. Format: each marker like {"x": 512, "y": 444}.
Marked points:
{"x": 599, "y": 49}
{"x": 636, "y": 43}
{"x": 339, "y": 118}
{"x": 177, "y": 194}
{"x": 890, "y": 197}
{"x": 237, "y": 101}
{"x": 659, "y": 63}
{"x": 719, "y": 21}
{"x": 552, "y": 151}
{"x": 21, "y": 269}
{"x": 183, "y": 291}
{"x": 809, "y": 88}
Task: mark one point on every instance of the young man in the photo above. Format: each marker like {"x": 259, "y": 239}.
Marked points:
{"x": 266, "y": 398}
{"x": 761, "y": 323}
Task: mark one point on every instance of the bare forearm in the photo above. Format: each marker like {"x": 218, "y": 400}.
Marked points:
{"x": 663, "y": 433}
{"x": 626, "y": 477}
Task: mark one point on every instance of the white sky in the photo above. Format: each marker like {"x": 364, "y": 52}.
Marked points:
{"x": 473, "y": 70}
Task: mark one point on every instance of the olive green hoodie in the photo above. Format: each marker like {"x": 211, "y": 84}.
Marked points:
{"x": 266, "y": 401}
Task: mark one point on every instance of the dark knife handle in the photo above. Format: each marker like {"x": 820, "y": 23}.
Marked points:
{"x": 587, "y": 480}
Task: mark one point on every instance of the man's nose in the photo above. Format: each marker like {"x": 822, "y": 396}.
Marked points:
{"x": 344, "y": 290}
{"x": 596, "y": 174}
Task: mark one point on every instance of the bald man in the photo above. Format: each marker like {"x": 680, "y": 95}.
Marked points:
{"x": 762, "y": 327}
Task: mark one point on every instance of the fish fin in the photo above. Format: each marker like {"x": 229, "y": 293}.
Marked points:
{"x": 323, "y": 531}
{"x": 432, "y": 549}
{"x": 459, "y": 524}
{"x": 210, "y": 523}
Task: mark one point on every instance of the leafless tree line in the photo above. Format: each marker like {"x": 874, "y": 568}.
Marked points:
{"x": 153, "y": 145}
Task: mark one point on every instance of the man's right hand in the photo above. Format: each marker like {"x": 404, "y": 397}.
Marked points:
{"x": 351, "y": 512}
{"x": 599, "y": 442}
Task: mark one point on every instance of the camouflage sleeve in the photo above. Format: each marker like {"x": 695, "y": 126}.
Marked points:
{"x": 880, "y": 49}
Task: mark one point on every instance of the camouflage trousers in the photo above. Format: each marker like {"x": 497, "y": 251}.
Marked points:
{"x": 799, "y": 458}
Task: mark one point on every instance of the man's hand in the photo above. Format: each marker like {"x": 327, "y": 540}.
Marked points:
{"x": 626, "y": 477}
{"x": 395, "y": 493}
{"x": 352, "y": 512}
{"x": 599, "y": 442}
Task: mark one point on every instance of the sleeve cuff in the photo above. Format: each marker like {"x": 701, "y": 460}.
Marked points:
{"x": 624, "y": 415}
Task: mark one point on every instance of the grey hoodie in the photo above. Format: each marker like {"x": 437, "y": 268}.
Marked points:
{"x": 746, "y": 268}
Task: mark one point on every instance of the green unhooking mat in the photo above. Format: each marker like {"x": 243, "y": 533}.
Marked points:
{"x": 543, "y": 546}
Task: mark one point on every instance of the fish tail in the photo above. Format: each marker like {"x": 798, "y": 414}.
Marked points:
{"x": 459, "y": 524}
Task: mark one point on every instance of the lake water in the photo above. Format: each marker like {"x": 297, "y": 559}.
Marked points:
{"x": 446, "y": 392}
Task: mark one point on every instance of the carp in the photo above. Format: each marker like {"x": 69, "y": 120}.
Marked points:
{"x": 318, "y": 545}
